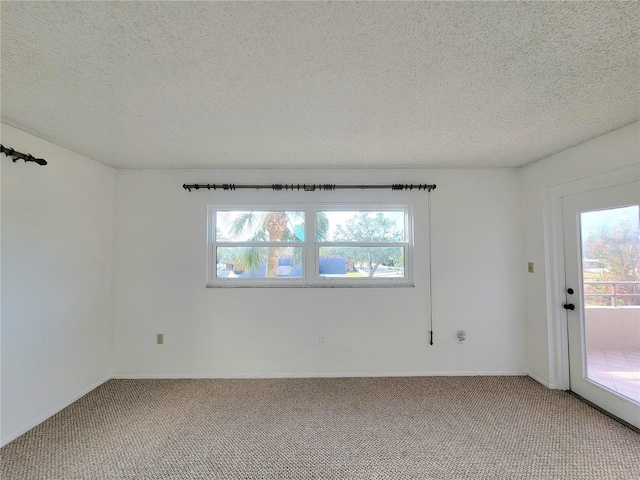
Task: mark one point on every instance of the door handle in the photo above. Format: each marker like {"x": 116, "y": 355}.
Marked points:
{"x": 569, "y": 306}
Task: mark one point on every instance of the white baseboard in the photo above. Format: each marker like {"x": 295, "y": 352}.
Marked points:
{"x": 13, "y": 435}
{"x": 318, "y": 375}
{"x": 543, "y": 382}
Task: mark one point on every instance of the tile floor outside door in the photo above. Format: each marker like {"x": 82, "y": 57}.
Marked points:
{"x": 617, "y": 369}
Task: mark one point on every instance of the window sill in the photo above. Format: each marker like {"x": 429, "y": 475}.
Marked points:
{"x": 386, "y": 285}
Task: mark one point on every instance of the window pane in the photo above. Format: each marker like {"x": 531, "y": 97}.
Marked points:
{"x": 611, "y": 286}
{"x": 361, "y": 226}
{"x": 361, "y": 262}
{"x": 610, "y": 254}
{"x": 259, "y": 262}
{"x": 259, "y": 226}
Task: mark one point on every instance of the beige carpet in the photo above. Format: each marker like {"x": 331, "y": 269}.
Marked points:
{"x": 365, "y": 428}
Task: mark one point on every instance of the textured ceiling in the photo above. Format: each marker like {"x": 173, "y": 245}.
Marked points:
{"x": 316, "y": 84}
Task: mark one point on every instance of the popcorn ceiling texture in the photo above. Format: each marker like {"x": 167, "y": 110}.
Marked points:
{"x": 315, "y": 84}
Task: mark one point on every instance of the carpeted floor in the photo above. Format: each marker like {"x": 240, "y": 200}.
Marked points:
{"x": 342, "y": 428}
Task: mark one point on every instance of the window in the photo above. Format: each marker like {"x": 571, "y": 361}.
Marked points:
{"x": 258, "y": 244}
{"x": 314, "y": 245}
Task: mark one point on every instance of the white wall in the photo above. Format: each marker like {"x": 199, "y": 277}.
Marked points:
{"x": 601, "y": 156}
{"x": 57, "y": 248}
{"x": 478, "y": 281}
{"x": 58, "y": 315}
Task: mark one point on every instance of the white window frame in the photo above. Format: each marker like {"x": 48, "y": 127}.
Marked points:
{"x": 407, "y": 280}
{"x": 212, "y": 244}
{"x": 310, "y": 248}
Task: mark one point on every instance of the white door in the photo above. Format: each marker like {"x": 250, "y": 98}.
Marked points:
{"x": 602, "y": 269}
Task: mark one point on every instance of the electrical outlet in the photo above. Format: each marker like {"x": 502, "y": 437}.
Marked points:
{"x": 321, "y": 337}
{"x": 160, "y": 338}
{"x": 462, "y": 336}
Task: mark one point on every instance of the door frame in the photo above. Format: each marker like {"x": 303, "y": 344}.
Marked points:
{"x": 557, "y": 327}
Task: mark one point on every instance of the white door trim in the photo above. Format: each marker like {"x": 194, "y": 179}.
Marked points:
{"x": 557, "y": 335}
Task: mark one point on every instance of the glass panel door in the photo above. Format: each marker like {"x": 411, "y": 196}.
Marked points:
{"x": 611, "y": 286}
{"x": 602, "y": 269}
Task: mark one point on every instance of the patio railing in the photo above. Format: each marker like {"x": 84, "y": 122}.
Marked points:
{"x": 618, "y": 294}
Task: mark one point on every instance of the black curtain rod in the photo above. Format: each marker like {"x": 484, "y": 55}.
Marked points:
{"x": 308, "y": 187}
{"x": 27, "y": 157}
